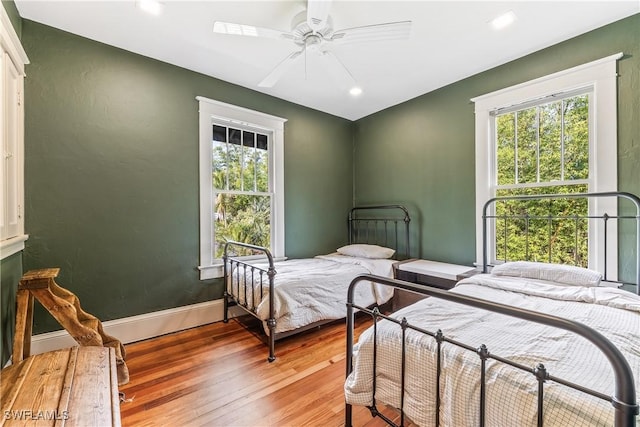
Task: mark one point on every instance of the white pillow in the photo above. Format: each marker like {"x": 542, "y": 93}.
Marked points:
{"x": 366, "y": 251}
{"x": 559, "y": 273}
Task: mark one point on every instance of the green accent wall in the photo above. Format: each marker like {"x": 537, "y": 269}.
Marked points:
{"x": 422, "y": 152}
{"x": 112, "y": 174}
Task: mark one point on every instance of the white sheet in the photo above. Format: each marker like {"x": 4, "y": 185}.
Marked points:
{"x": 511, "y": 394}
{"x": 314, "y": 289}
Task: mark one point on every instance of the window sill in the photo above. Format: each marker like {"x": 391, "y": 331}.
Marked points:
{"x": 13, "y": 245}
{"x": 215, "y": 271}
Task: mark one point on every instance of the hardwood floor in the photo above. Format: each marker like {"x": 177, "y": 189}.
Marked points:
{"x": 217, "y": 375}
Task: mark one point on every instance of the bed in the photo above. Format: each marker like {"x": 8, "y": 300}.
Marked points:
{"x": 310, "y": 292}
{"x": 525, "y": 343}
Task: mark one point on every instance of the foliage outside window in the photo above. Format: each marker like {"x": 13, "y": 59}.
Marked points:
{"x": 543, "y": 149}
{"x": 240, "y": 173}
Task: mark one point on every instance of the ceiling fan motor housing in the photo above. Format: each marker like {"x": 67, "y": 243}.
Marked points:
{"x": 303, "y": 34}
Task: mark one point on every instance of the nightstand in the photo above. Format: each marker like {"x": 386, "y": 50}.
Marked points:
{"x": 424, "y": 272}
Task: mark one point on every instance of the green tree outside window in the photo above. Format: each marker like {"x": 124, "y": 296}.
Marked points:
{"x": 543, "y": 149}
{"x": 240, "y": 165}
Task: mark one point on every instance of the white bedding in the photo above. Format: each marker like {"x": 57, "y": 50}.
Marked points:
{"x": 314, "y": 289}
{"x": 512, "y": 394}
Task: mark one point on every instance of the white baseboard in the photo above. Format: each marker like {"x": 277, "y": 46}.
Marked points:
{"x": 144, "y": 326}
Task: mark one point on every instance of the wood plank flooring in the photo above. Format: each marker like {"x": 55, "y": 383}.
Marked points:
{"x": 217, "y": 375}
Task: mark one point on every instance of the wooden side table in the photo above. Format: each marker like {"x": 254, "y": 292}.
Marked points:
{"x": 425, "y": 272}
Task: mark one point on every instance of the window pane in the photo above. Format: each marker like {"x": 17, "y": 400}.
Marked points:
{"x": 248, "y": 161}
{"x": 539, "y": 230}
{"x": 262, "y": 164}
{"x": 550, "y": 142}
{"x": 243, "y": 218}
{"x": 527, "y": 145}
{"x": 219, "y": 154}
{"x": 234, "y": 165}
{"x": 219, "y": 133}
{"x": 576, "y": 137}
{"x": 505, "y": 133}
{"x": 262, "y": 142}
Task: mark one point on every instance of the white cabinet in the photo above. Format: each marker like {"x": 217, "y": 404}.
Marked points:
{"x": 12, "y": 62}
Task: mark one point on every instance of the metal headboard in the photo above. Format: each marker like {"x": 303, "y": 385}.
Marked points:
{"x": 489, "y": 209}
{"x": 384, "y": 225}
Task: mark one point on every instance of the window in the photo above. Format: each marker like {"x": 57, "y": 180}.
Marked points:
{"x": 242, "y": 196}
{"x": 543, "y": 149}
{"x": 241, "y": 181}
{"x": 553, "y": 135}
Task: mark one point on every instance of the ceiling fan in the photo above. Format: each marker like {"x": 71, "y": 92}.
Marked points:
{"x": 312, "y": 32}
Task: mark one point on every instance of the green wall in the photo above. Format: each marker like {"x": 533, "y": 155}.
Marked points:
{"x": 112, "y": 174}
{"x": 10, "y": 274}
{"x": 422, "y": 152}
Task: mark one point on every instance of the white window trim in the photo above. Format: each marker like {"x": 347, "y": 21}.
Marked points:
{"x": 209, "y": 267}
{"x": 10, "y": 42}
{"x": 601, "y": 76}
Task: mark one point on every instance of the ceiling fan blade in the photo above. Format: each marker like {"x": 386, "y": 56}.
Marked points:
{"x": 250, "y": 31}
{"x": 279, "y": 70}
{"x": 337, "y": 69}
{"x": 318, "y": 13}
{"x": 388, "y": 31}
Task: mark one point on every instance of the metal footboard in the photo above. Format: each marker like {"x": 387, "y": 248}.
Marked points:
{"x": 240, "y": 275}
{"x": 623, "y": 400}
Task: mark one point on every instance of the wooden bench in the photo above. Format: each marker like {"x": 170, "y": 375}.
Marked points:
{"x": 77, "y": 386}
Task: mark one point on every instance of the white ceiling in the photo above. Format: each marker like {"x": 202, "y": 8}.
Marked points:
{"x": 450, "y": 40}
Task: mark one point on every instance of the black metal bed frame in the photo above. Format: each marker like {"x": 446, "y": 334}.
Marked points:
{"x": 364, "y": 226}
{"x": 624, "y": 398}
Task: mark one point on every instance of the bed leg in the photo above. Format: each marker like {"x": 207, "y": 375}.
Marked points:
{"x": 225, "y": 308}
{"x": 271, "y": 323}
{"x": 347, "y": 415}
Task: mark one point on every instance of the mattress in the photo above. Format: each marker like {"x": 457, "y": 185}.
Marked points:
{"x": 511, "y": 393}
{"x": 314, "y": 289}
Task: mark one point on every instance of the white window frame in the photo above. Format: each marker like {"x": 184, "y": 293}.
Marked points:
{"x": 13, "y": 58}
{"x": 210, "y": 109}
{"x": 600, "y": 77}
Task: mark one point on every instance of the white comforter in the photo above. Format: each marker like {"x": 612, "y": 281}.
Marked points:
{"x": 314, "y": 289}
{"x": 512, "y": 394}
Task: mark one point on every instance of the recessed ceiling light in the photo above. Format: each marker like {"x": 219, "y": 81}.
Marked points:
{"x": 503, "y": 20}
{"x": 153, "y": 7}
{"x": 355, "y": 91}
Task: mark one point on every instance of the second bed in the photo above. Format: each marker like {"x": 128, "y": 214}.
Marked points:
{"x": 295, "y": 295}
